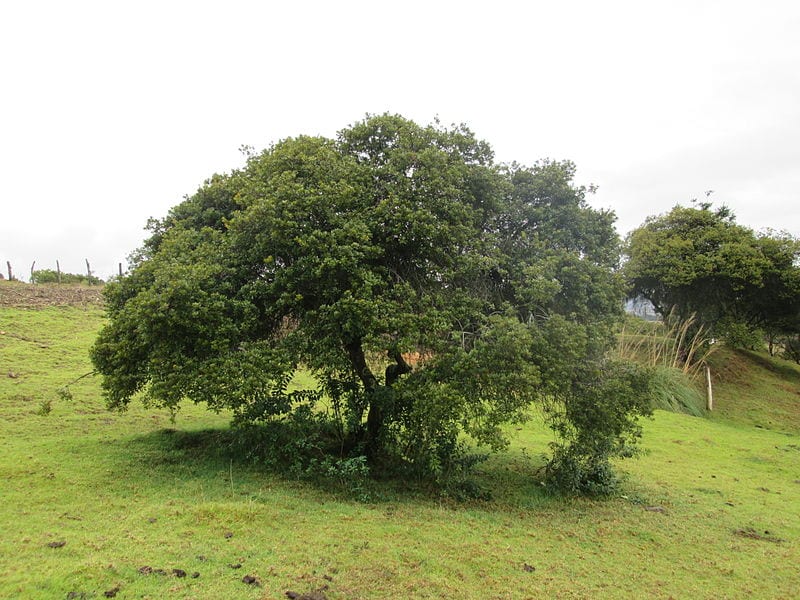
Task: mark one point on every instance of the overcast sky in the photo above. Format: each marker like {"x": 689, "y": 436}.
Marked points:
{"x": 111, "y": 112}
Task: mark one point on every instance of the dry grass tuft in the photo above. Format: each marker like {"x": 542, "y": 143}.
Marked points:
{"x": 673, "y": 343}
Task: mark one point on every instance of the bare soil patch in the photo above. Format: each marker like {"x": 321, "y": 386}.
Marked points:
{"x": 27, "y": 295}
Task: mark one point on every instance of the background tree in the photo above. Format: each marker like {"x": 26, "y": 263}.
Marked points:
{"x": 698, "y": 260}
{"x": 343, "y": 257}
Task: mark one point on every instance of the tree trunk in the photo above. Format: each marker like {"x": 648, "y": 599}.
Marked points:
{"x": 395, "y": 371}
{"x": 375, "y": 412}
{"x": 359, "y": 362}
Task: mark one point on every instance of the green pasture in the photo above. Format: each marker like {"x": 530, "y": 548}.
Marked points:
{"x": 96, "y": 504}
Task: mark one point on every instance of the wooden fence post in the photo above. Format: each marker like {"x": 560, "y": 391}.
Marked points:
{"x": 33, "y": 264}
{"x": 709, "y": 391}
{"x": 58, "y": 270}
{"x": 88, "y": 272}
{"x": 10, "y": 274}
{"x": 120, "y": 269}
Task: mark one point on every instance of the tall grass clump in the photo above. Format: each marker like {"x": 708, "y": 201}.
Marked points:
{"x": 672, "y": 390}
{"x": 677, "y": 350}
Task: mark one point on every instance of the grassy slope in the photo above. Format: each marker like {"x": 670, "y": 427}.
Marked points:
{"x": 756, "y": 390}
{"x": 128, "y": 490}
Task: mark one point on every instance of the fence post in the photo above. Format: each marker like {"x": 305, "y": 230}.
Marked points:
{"x": 58, "y": 270}
{"x": 120, "y": 269}
{"x": 709, "y": 391}
{"x": 10, "y": 274}
{"x": 88, "y": 272}
{"x": 33, "y": 264}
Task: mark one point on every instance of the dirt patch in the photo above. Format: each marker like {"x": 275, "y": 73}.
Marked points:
{"x": 26, "y": 295}
{"x": 749, "y": 532}
{"x": 313, "y": 595}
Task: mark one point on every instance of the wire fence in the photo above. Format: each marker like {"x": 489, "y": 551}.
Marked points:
{"x": 56, "y": 275}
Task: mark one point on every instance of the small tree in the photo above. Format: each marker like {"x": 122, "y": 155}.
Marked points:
{"x": 343, "y": 256}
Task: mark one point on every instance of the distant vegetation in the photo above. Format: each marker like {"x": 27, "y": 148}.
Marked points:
{"x": 698, "y": 263}
{"x": 51, "y": 276}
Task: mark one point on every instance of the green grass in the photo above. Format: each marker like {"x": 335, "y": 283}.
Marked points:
{"x": 709, "y": 510}
{"x": 755, "y": 389}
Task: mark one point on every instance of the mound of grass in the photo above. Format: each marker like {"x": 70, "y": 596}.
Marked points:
{"x": 674, "y": 391}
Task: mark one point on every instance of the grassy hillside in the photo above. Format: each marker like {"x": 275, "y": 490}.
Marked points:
{"x": 98, "y": 503}
{"x": 755, "y": 389}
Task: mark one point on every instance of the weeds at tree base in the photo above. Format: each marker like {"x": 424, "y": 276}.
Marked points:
{"x": 569, "y": 474}
{"x": 45, "y": 408}
{"x": 306, "y": 447}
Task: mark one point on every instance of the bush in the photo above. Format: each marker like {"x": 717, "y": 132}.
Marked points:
{"x": 350, "y": 475}
{"x": 51, "y": 276}
{"x": 791, "y": 349}
{"x": 740, "y": 335}
{"x": 600, "y": 422}
{"x": 304, "y": 445}
{"x": 570, "y": 473}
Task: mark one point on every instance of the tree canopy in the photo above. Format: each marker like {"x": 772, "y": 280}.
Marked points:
{"x": 434, "y": 295}
{"x": 698, "y": 260}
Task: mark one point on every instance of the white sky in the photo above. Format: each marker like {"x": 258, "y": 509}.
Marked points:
{"x": 111, "y": 112}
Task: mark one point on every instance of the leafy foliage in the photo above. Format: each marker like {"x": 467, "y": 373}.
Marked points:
{"x": 791, "y": 348}
{"x": 347, "y": 257}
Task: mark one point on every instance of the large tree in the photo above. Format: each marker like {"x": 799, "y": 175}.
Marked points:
{"x": 347, "y": 257}
{"x": 698, "y": 260}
